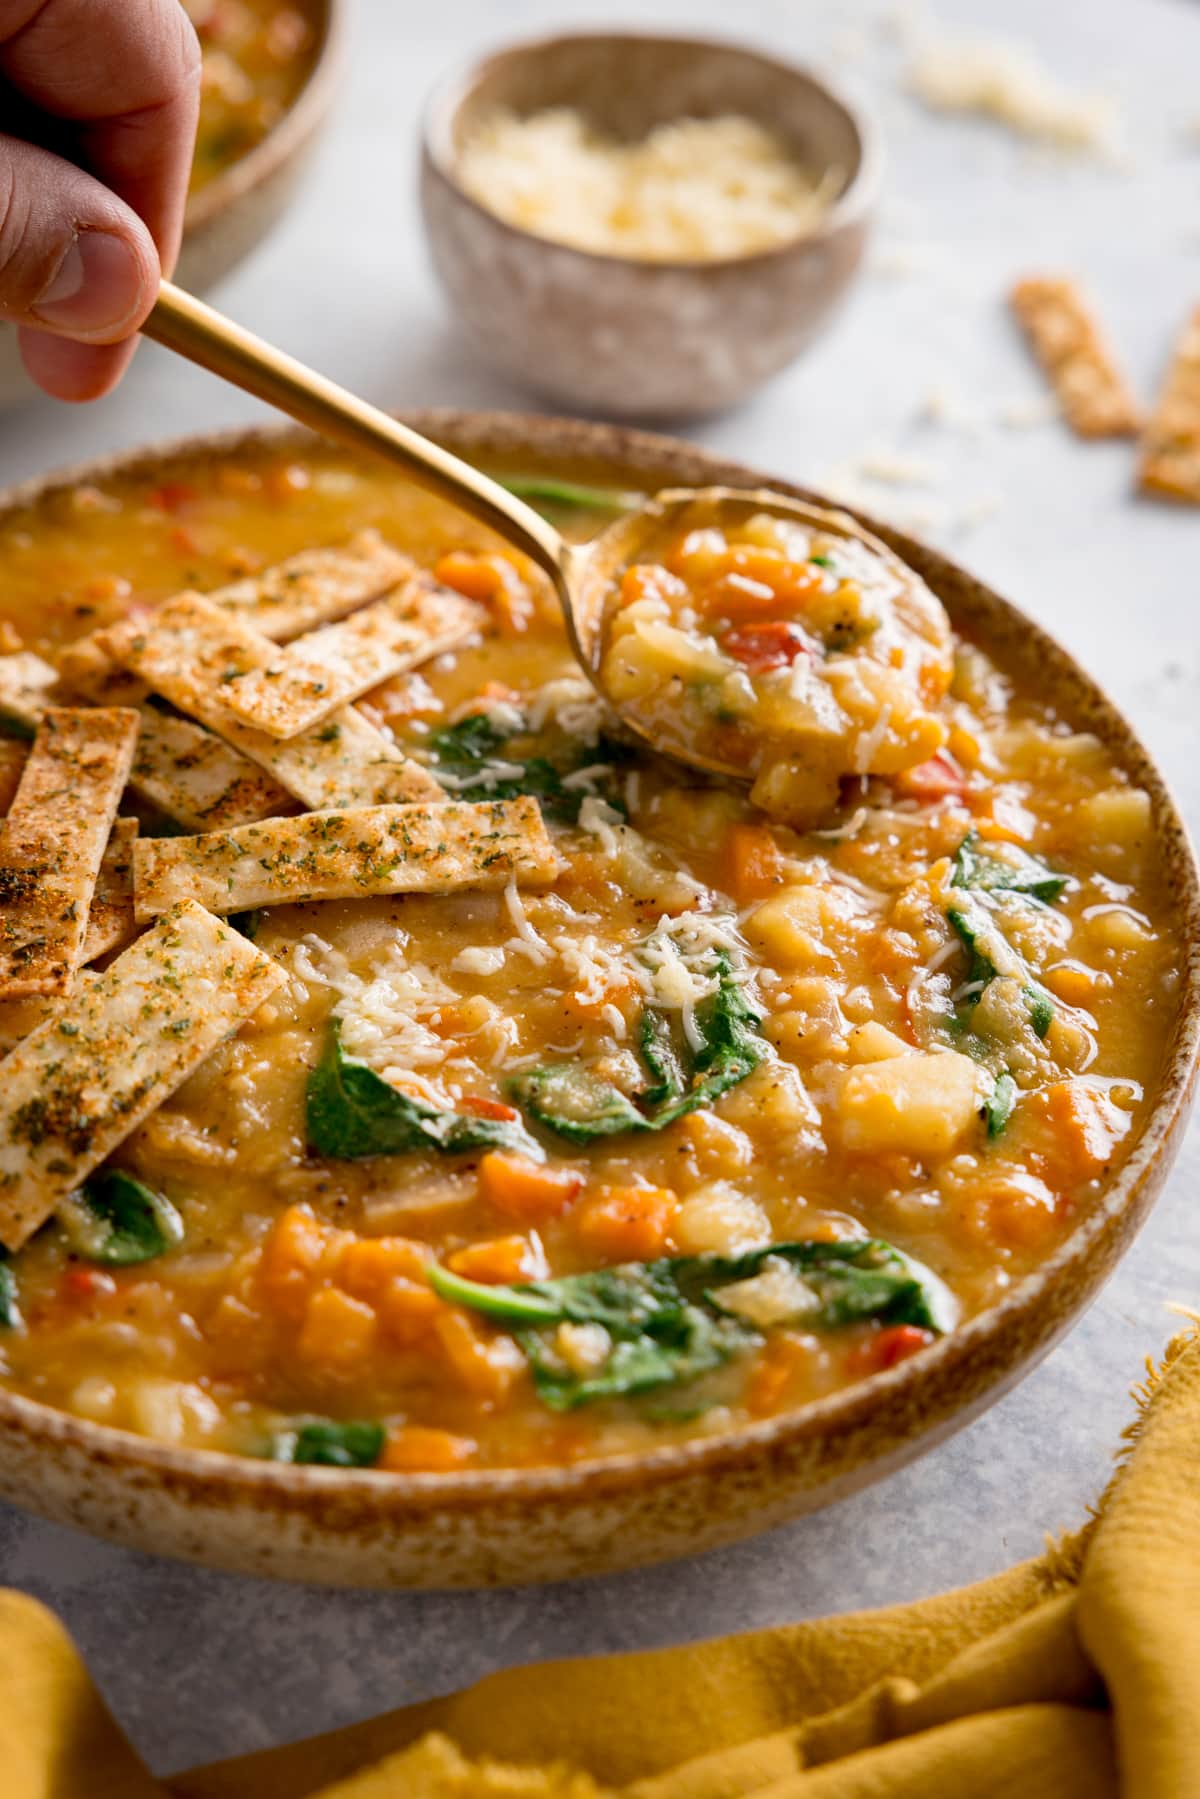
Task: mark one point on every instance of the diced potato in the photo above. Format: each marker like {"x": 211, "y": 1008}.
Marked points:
{"x": 1115, "y": 825}
{"x": 789, "y": 928}
{"x": 921, "y": 1105}
{"x": 776, "y": 1296}
{"x": 799, "y": 791}
{"x": 1119, "y": 929}
{"x": 718, "y": 1219}
{"x": 775, "y": 1097}
{"x": 172, "y": 1411}
{"x": 640, "y": 661}
{"x": 872, "y": 1042}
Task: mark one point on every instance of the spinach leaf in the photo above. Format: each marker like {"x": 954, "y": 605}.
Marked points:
{"x": 666, "y": 1320}
{"x": 351, "y": 1111}
{"x": 470, "y": 750}
{"x": 569, "y": 1099}
{"x": 10, "y": 1311}
{"x": 570, "y": 494}
{"x": 999, "y": 1108}
{"x": 121, "y": 1222}
{"x": 248, "y": 923}
{"x": 1017, "y": 872}
{"x": 475, "y": 738}
{"x": 11, "y": 726}
{"x": 1041, "y": 1007}
{"x": 326, "y": 1444}
{"x": 981, "y": 969}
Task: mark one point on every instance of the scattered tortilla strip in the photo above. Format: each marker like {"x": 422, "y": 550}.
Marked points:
{"x": 13, "y": 756}
{"x": 112, "y": 1053}
{"x": 53, "y": 840}
{"x": 1170, "y": 448}
{"x": 315, "y": 587}
{"x": 326, "y": 669}
{"x": 185, "y": 771}
{"x": 110, "y": 917}
{"x": 348, "y": 855}
{"x": 1066, "y": 338}
{"x": 25, "y": 682}
{"x": 190, "y": 651}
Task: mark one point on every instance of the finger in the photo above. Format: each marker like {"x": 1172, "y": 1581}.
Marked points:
{"x": 75, "y": 372}
{"x": 127, "y": 78}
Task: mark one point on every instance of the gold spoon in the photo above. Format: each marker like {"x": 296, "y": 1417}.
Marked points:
{"x": 585, "y": 576}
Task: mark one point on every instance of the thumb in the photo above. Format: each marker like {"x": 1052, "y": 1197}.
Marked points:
{"x": 74, "y": 259}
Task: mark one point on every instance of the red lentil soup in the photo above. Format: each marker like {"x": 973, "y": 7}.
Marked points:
{"x": 257, "y": 56}
{"x": 731, "y": 1116}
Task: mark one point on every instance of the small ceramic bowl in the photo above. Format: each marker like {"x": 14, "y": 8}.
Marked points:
{"x": 617, "y": 335}
{"x": 233, "y": 213}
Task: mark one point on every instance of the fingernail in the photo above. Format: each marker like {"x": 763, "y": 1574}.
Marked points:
{"x": 96, "y": 289}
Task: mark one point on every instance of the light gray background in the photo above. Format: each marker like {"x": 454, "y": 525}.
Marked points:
{"x": 199, "y": 1665}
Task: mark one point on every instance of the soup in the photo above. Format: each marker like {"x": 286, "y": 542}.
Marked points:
{"x": 257, "y": 56}
{"x": 695, "y": 1117}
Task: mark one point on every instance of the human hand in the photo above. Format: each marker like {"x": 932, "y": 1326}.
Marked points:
{"x": 102, "y": 99}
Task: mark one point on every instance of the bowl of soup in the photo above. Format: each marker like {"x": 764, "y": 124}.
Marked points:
{"x": 467, "y": 1147}
{"x": 270, "y": 72}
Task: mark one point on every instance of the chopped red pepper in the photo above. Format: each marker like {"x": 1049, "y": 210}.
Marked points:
{"x": 478, "y": 1107}
{"x": 775, "y": 643}
{"x": 939, "y": 778}
{"x": 894, "y": 1343}
{"x": 87, "y": 1283}
{"x": 173, "y": 496}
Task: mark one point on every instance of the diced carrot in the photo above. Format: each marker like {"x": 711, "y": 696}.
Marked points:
{"x": 291, "y": 1258}
{"x": 886, "y": 1347}
{"x": 752, "y": 581}
{"x": 183, "y": 541}
{"x": 1071, "y": 982}
{"x": 585, "y": 1009}
{"x": 499, "y": 1261}
{"x": 493, "y": 579}
{"x": 1083, "y": 1137}
{"x": 1001, "y": 818}
{"x": 938, "y": 778}
{"x": 417, "y": 1448}
{"x": 486, "y": 1366}
{"x": 650, "y": 581}
{"x": 526, "y": 1190}
{"x": 172, "y": 496}
{"x": 286, "y": 482}
{"x": 754, "y": 862}
{"x": 338, "y": 1332}
{"x": 774, "y": 643}
{"x": 628, "y": 1224}
{"x": 1017, "y": 1211}
{"x": 407, "y": 1311}
{"x": 369, "y": 1264}
{"x": 786, "y": 1355}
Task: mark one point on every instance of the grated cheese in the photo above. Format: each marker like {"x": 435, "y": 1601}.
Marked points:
{"x": 1005, "y": 82}
{"x": 693, "y": 190}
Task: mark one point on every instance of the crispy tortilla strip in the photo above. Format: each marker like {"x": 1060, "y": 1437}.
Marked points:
{"x": 13, "y": 756}
{"x": 110, "y": 917}
{"x": 1066, "y": 338}
{"x": 315, "y": 587}
{"x": 316, "y": 674}
{"x": 1170, "y": 449}
{"x": 185, "y": 771}
{"x": 25, "y": 683}
{"x": 348, "y": 855}
{"x": 112, "y": 1053}
{"x": 191, "y": 651}
{"x": 53, "y": 841}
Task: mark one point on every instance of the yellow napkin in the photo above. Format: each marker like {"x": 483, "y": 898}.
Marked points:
{"x": 1074, "y": 1676}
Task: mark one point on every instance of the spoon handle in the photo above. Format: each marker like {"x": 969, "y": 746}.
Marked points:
{"x": 204, "y": 336}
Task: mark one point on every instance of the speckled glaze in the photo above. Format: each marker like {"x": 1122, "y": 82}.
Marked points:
{"x": 233, "y": 214}
{"x": 353, "y": 1528}
{"x": 633, "y": 339}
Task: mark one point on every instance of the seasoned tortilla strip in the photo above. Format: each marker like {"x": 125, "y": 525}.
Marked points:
{"x": 25, "y": 682}
{"x": 348, "y": 855}
{"x": 13, "y": 756}
{"x": 110, "y": 917}
{"x": 1170, "y": 448}
{"x": 190, "y": 651}
{"x": 326, "y": 669}
{"x": 185, "y": 771}
{"x": 1066, "y": 338}
{"x": 112, "y": 1053}
{"x": 315, "y": 587}
{"x": 53, "y": 840}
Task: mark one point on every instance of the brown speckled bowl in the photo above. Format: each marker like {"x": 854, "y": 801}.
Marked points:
{"x": 233, "y": 213}
{"x": 355, "y": 1528}
{"x": 611, "y": 334}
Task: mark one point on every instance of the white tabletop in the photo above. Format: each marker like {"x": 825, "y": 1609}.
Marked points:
{"x": 198, "y": 1665}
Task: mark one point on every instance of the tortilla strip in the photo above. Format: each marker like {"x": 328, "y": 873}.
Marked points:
{"x": 112, "y": 1053}
{"x": 190, "y": 651}
{"x": 1066, "y": 338}
{"x": 13, "y": 756}
{"x": 348, "y": 855}
{"x": 25, "y": 681}
{"x": 1170, "y": 447}
{"x": 53, "y": 841}
{"x": 316, "y": 587}
{"x": 110, "y": 916}
{"x": 185, "y": 771}
{"x": 326, "y": 669}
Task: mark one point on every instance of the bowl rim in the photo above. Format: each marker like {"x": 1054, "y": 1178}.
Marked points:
{"x": 850, "y": 208}
{"x": 292, "y": 130}
{"x": 380, "y": 1493}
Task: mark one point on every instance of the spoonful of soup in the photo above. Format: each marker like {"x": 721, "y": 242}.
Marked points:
{"x": 738, "y": 631}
